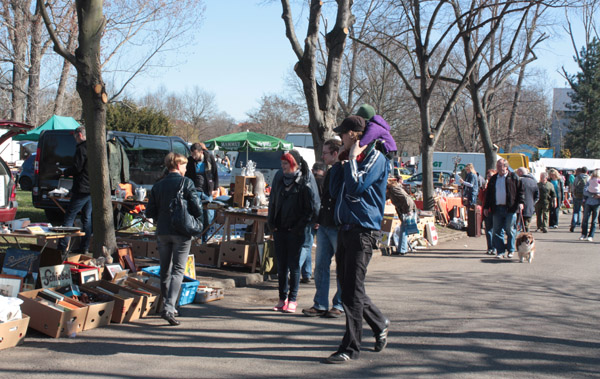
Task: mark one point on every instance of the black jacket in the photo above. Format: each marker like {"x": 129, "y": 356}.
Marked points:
{"x": 79, "y": 170}
{"x": 326, "y": 216}
{"x": 160, "y": 198}
{"x": 515, "y": 194}
{"x": 531, "y": 194}
{"x": 296, "y": 208}
{"x": 209, "y": 180}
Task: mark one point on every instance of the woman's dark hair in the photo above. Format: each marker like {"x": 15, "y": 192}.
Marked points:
{"x": 301, "y": 162}
{"x": 334, "y": 144}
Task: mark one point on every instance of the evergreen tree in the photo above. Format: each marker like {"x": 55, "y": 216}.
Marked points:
{"x": 583, "y": 139}
{"x": 126, "y": 116}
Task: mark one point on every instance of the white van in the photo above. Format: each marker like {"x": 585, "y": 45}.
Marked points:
{"x": 300, "y": 140}
{"x": 444, "y": 161}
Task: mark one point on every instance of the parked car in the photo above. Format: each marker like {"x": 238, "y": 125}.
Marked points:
{"x": 224, "y": 175}
{"x": 8, "y": 196}
{"x": 439, "y": 179}
{"x": 146, "y": 154}
{"x": 26, "y": 174}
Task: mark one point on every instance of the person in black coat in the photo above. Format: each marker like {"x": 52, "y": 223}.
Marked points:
{"x": 531, "y": 193}
{"x": 81, "y": 201}
{"x": 173, "y": 247}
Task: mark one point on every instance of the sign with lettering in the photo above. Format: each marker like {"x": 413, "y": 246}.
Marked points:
{"x": 23, "y": 263}
{"x": 55, "y": 276}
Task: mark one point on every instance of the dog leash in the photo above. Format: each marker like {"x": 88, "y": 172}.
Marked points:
{"x": 520, "y": 222}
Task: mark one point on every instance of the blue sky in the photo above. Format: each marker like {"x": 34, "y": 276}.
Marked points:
{"x": 241, "y": 53}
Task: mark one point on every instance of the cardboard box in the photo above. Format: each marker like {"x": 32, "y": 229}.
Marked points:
{"x": 51, "y": 321}
{"x": 138, "y": 247}
{"x": 389, "y": 224}
{"x": 206, "y": 254}
{"x": 99, "y": 314}
{"x": 206, "y": 295}
{"x": 80, "y": 258}
{"x": 235, "y": 251}
{"x": 13, "y": 332}
{"x": 128, "y": 305}
{"x": 152, "y": 249}
{"x": 152, "y": 302}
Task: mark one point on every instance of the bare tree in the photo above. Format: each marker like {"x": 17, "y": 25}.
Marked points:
{"x": 322, "y": 98}
{"x": 91, "y": 89}
{"x": 429, "y": 32}
{"x": 277, "y": 116}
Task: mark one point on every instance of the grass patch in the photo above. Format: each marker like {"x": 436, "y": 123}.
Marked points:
{"x": 26, "y": 209}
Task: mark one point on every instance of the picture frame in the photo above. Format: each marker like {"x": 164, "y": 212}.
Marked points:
{"x": 10, "y": 285}
{"x": 190, "y": 267}
{"x": 113, "y": 269}
{"x": 88, "y": 276}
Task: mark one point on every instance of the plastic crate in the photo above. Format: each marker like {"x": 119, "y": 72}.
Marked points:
{"x": 189, "y": 286}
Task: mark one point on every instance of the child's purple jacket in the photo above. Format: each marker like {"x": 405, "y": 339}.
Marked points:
{"x": 377, "y": 128}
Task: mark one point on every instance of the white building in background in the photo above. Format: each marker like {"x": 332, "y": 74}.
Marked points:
{"x": 561, "y": 118}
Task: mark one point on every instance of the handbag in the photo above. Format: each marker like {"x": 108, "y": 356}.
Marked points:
{"x": 410, "y": 222}
{"x": 183, "y": 222}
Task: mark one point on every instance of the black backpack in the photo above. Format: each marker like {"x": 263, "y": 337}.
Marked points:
{"x": 578, "y": 186}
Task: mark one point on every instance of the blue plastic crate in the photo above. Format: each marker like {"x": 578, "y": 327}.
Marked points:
{"x": 189, "y": 286}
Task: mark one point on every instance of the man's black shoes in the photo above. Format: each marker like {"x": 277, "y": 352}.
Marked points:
{"x": 381, "y": 338}
{"x": 338, "y": 357}
{"x": 170, "y": 317}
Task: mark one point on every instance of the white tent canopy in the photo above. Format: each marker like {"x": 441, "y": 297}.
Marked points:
{"x": 571, "y": 163}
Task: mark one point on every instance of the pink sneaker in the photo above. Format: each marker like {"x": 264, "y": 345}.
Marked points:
{"x": 290, "y": 307}
{"x": 281, "y": 305}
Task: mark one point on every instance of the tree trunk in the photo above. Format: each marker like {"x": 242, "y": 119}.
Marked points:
{"x": 35, "y": 61}
{"x": 19, "y": 78}
{"x": 484, "y": 131}
{"x": 93, "y": 98}
{"x": 64, "y": 78}
{"x": 513, "y": 110}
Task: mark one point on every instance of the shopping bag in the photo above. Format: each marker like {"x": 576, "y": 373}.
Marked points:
{"x": 410, "y": 222}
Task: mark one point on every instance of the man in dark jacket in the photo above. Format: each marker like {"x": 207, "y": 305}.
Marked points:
{"x": 80, "y": 194}
{"x": 503, "y": 198}
{"x": 358, "y": 184}
{"x": 202, "y": 169}
{"x": 531, "y": 194}
{"x": 326, "y": 243}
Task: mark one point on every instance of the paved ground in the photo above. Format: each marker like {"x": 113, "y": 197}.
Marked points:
{"x": 455, "y": 312}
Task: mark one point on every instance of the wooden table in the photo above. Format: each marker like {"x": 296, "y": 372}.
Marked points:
{"x": 45, "y": 236}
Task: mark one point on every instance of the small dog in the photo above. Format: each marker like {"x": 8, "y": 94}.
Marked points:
{"x": 525, "y": 247}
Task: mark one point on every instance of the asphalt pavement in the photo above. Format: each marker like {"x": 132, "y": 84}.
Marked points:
{"x": 454, "y": 311}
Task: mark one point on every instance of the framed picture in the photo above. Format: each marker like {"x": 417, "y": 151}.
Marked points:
{"x": 10, "y": 285}
{"x": 88, "y": 276}
{"x": 113, "y": 269}
{"x": 190, "y": 267}
{"x": 55, "y": 276}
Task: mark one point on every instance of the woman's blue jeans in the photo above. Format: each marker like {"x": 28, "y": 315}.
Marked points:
{"x": 593, "y": 211}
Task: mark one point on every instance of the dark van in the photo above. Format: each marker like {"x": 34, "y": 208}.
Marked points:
{"x": 146, "y": 154}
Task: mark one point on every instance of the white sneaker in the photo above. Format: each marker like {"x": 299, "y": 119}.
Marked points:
{"x": 500, "y": 256}
{"x": 590, "y": 239}
{"x": 582, "y": 238}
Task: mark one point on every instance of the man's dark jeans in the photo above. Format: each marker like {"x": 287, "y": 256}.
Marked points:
{"x": 79, "y": 202}
{"x": 354, "y": 251}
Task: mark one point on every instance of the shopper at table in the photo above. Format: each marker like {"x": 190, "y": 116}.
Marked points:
{"x": 470, "y": 185}
{"x": 81, "y": 200}
{"x": 203, "y": 170}
{"x": 405, "y": 208}
{"x": 293, "y": 206}
{"x": 173, "y": 247}
{"x": 326, "y": 243}
{"x": 359, "y": 184}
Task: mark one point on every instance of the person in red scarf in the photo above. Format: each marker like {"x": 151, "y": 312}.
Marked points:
{"x": 293, "y": 206}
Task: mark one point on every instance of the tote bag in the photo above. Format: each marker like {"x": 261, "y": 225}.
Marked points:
{"x": 183, "y": 222}
{"x": 410, "y": 221}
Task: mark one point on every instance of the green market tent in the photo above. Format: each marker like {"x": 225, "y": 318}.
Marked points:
{"x": 54, "y": 123}
{"x": 248, "y": 141}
